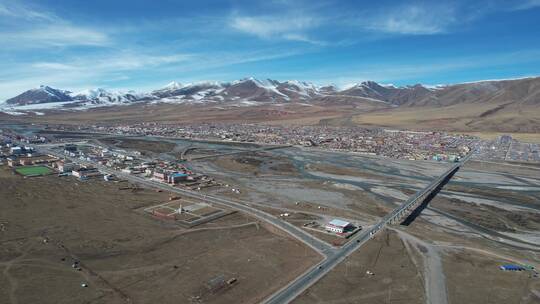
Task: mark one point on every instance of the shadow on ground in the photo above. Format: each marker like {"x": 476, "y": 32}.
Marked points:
{"x": 416, "y": 212}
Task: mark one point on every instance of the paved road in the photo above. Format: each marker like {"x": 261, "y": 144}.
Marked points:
{"x": 318, "y": 245}
{"x": 307, "y": 279}
{"x": 332, "y": 256}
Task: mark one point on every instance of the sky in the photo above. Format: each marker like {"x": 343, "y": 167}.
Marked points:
{"x": 143, "y": 45}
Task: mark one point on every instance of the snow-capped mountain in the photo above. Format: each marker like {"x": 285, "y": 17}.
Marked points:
{"x": 299, "y": 89}
{"x": 255, "y": 90}
{"x": 247, "y": 89}
{"x": 42, "y": 94}
{"x": 388, "y": 93}
{"x": 252, "y": 91}
{"x": 175, "y": 91}
{"x": 102, "y": 96}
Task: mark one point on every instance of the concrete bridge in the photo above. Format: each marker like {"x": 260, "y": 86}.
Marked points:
{"x": 289, "y": 292}
{"x": 411, "y": 208}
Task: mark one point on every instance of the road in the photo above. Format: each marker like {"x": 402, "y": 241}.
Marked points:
{"x": 332, "y": 256}
{"x": 435, "y": 280}
{"x": 310, "y": 277}
{"x": 318, "y": 245}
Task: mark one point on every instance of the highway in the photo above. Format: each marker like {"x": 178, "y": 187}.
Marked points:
{"x": 332, "y": 256}
{"x": 322, "y": 247}
{"x": 310, "y": 277}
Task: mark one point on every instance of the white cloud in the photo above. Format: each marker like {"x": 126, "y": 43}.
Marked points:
{"x": 302, "y": 38}
{"x": 102, "y": 70}
{"x": 22, "y": 26}
{"x": 14, "y": 9}
{"x": 524, "y": 5}
{"x": 54, "y": 35}
{"x": 116, "y": 62}
{"x": 52, "y": 66}
{"x": 412, "y": 19}
{"x": 285, "y": 27}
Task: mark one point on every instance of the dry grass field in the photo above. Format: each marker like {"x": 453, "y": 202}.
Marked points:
{"x": 468, "y": 118}
{"x": 125, "y": 255}
{"x": 396, "y": 279}
{"x": 474, "y": 278}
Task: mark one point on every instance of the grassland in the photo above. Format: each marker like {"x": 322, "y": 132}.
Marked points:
{"x": 467, "y": 118}
{"x": 396, "y": 278}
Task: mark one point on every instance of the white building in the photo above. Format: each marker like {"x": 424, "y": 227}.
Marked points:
{"x": 337, "y": 226}
{"x": 64, "y": 166}
{"x": 15, "y": 150}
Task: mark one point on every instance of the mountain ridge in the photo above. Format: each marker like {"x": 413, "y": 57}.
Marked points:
{"x": 525, "y": 90}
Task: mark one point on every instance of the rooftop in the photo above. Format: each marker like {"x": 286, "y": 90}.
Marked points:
{"x": 339, "y": 223}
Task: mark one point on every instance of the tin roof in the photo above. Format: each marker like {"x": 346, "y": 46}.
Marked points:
{"x": 338, "y": 223}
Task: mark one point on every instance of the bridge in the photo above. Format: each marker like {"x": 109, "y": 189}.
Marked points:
{"x": 292, "y": 290}
{"x": 331, "y": 256}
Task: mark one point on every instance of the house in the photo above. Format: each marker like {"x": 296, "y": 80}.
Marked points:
{"x": 338, "y": 226}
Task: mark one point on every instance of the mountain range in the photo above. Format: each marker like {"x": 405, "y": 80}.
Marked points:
{"x": 526, "y": 90}
{"x": 249, "y": 89}
{"x": 492, "y": 105}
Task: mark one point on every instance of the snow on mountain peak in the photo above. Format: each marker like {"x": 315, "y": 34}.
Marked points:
{"x": 173, "y": 85}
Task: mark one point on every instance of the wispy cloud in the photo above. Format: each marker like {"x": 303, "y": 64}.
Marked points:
{"x": 408, "y": 72}
{"x": 22, "y": 26}
{"x": 104, "y": 70}
{"x": 108, "y": 63}
{"x": 54, "y": 35}
{"x": 15, "y": 9}
{"x": 412, "y": 19}
{"x": 283, "y": 26}
{"x": 528, "y": 4}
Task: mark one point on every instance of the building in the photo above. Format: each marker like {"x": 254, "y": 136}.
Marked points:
{"x": 160, "y": 175}
{"x": 175, "y": 178}
{"x": 70, "y": 148}
{"x": 338, "y": 226}
{"x": 85, "y": 173}
{"x": 65, "y": 166}
{"x": 35, "y": 160}
{"x": 16, "y": 150}
{"x": 12, "y": 161}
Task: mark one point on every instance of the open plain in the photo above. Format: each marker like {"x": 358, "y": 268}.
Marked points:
{"x": 50, "y": 224}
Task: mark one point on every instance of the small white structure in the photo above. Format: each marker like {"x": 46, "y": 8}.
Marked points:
{"x": 337, "y": 226}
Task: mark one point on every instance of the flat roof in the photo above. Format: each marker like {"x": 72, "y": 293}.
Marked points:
{"x": 179, "y": 174}
{"x": 338, "y": 223}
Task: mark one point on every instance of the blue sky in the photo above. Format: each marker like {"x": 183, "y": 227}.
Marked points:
{"x": 142, "y": 45}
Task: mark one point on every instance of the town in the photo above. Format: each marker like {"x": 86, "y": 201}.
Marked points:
{"x": 399, "y": 144}
{"x": 195, "y": 176}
